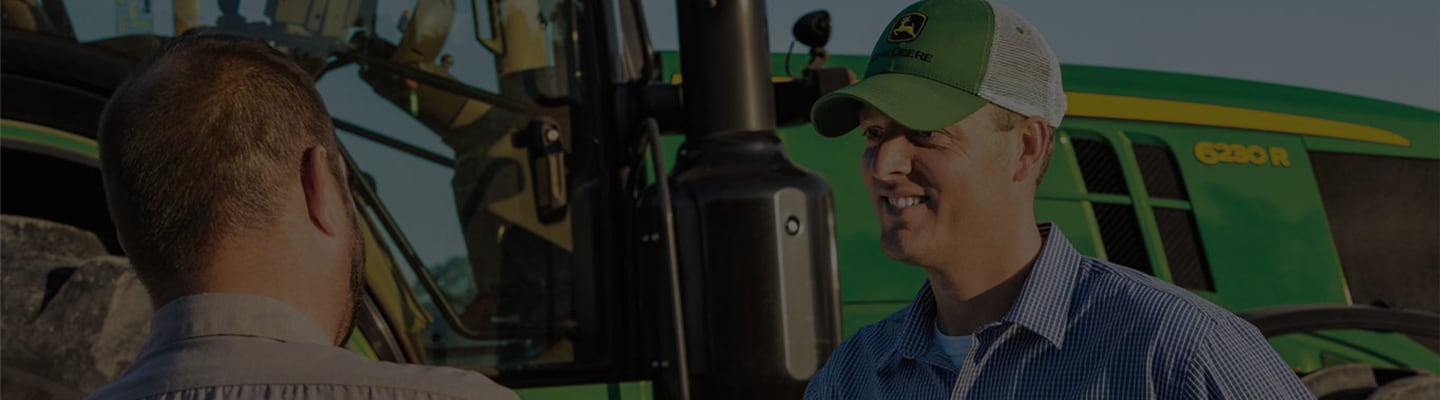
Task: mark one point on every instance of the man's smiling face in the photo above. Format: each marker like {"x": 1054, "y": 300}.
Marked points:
{"x": 932, "y": 189}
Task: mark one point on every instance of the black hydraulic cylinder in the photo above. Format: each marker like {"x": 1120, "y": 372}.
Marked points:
{"x": 755, "y": 244}
{"x": 754, "y": 232}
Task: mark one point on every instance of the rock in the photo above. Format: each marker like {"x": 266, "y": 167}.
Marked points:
{"x": 74, "y": 317}
{"x": 24, "y": 238}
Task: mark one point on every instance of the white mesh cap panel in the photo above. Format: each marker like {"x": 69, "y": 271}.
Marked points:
{"x": 1023, "y": 74}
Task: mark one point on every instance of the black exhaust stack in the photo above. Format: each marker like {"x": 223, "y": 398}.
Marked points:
{"x": 754, "y": 232}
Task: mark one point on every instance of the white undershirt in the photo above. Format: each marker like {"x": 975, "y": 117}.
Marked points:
{"x": 957, "y": 347}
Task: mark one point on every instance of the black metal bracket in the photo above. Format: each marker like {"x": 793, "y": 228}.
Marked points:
{"x": 545, "y": 143}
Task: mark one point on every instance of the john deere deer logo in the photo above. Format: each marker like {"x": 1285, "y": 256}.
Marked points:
{"x": 907, "y": 28}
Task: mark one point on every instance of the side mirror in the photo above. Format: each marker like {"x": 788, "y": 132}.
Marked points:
{"x": 813, "y": 30}
{"x": 794, "y": 98}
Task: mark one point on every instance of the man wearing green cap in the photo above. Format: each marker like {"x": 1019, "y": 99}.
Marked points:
{"x": 959, "y": 107}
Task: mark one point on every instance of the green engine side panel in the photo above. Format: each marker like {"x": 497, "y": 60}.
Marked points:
{"x": 1262, "y": 226}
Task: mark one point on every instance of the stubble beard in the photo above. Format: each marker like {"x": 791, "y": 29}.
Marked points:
{"x": 356, "y": 289}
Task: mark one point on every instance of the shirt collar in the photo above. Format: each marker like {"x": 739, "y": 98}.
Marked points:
{"x": 1044, "y": 303}
{"x": 915, "y": 340}
{"x": 230, "y": 314}
{"x": 1042, "y": 307}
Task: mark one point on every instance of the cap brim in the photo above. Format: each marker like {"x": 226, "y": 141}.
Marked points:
{"x": 917, "y": 103}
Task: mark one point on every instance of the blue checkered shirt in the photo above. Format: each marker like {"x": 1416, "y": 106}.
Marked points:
{"x": 1081, "y": 328}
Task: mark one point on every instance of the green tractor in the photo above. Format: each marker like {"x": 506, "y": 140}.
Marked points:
{"x": 515, "y": 224}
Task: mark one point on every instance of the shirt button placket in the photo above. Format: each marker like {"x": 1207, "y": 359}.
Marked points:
{"x": 970, "y": 369}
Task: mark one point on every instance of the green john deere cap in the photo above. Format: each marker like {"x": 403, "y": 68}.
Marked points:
{"x": 939, "y": 61}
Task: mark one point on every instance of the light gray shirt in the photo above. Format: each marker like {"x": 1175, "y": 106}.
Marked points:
{"x": 234, "y": 346}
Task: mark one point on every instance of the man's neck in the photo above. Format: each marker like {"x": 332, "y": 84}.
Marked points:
{"x": 277, "y": 271}
{"x": 982, "y": 284}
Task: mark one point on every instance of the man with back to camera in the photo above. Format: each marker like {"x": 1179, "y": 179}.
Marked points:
{"x": 959, "y": 108}
{"x": 227, "y": 187}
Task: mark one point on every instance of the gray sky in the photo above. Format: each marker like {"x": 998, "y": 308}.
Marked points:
{"x": 1385, "y": 49}
{"x": 1381, "y": 49}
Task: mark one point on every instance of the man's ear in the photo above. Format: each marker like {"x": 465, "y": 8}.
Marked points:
{"x": 323, "y": 199}
{"x": 1036, "y": 140}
